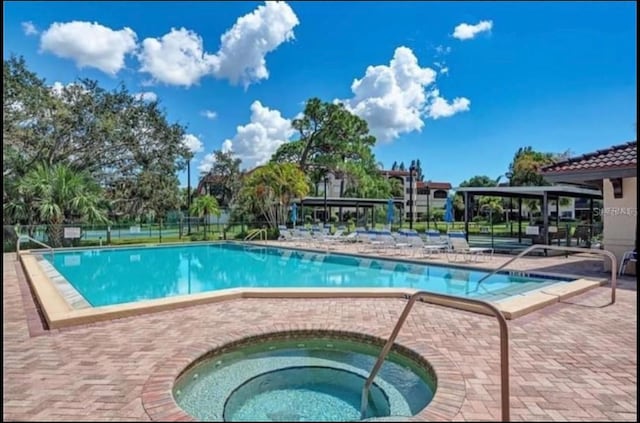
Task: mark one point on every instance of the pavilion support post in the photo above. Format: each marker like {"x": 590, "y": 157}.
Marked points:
{"x": 545, "y": 217}
{"x": 466, "y": 215}
{"x": 558, "y": 217}
{"x": 373, "y": 218}
{"x": 590, "y": 223}
{"x": 519, "y": 220}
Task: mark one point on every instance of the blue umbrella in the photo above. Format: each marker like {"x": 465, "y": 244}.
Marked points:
{"x": 294, "y": 213}
{"x": 390, "y": 211}
{"x": 448, "y": 210}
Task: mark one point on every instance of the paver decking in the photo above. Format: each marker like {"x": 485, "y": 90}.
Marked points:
{"x": 574, "y": 360}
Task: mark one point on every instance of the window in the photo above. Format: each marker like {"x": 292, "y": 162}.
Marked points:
{"x": 423, "y": 191}
{"x": 440, "y": 194}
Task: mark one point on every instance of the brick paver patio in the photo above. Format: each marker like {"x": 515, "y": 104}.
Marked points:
{"x": 573, "y": 360}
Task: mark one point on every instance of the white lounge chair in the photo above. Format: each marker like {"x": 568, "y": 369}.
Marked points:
{"x": 628, "y": 257}
{"x": 458, "y": 245}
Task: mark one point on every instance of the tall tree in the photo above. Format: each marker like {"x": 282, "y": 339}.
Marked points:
{"x": 125, "y": 143}
{"x": 225, "y": 176}
{"x": 394, "y": 166}
{"x": 420, "y": 175}
{"x": 401, "y": 166}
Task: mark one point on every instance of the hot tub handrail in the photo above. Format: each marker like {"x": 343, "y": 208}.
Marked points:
{"x": 504, "y": 346}
{"x": 614, "y": 261}
{"x": 27, "y": 237}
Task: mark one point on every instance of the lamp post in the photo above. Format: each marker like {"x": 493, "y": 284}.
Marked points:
{"x": 411, "y": 170}
{"x": 189, "y": 196}
{"x": 509, "y": 175}
{"x": 325, "y": 199}
{"x": 428, "y": 210}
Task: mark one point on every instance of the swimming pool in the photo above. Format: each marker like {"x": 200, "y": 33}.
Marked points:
{"x": 110, "y": 276}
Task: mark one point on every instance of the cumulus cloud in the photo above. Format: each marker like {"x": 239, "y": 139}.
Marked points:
{"x": 466, "y": 31}
{"x": 209, "y": 114}
{"x": 395, "y": 99}
{"x": 193, "y": 143}
{"x": 243, "y": 47}
{"x": 179, "y": 57}
{"x": 207, "y": 162}
{"x": 439, "y": 107}
{"x": 391, "y": 97}
{"x": 256, "y": 141}
{"x": 29, "y": 28}
{"x": 146, "y": 96}
{"x": 89, "y": 44}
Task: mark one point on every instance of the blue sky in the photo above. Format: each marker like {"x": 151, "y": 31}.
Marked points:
{"x": 462, "y": 99}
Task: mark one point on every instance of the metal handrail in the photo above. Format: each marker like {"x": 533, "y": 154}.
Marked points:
{"x": 22, "y": 237}
{"x": 504, "y": 346}
{"x": 255, "y": 233}
{"x": 614, "y": 261}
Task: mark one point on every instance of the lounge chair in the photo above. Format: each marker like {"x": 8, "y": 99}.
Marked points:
{"x": 628, "y": 257}
{"x": 418, "y": 244}
{"x": 458, "y": 245}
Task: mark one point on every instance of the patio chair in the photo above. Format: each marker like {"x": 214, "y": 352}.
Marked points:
{"x": 628, "y": 257}
{"x": 418, "y": 244}
{"x": 458, "y": 245}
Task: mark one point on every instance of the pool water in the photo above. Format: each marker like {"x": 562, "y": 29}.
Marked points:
{"x": 302, "y": 379}
{"x": 120, "y": 275}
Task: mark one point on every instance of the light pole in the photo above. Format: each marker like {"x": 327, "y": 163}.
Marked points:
{"x": 509, "y": 175}
{"x": 428, "y": 210}
{"x": 189, "y": 196}
{"x": 325, "y": 199}
{"x": 412, "y": 168}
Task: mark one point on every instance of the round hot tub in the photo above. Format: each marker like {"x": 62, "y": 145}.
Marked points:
{"x": 286, "y": 377}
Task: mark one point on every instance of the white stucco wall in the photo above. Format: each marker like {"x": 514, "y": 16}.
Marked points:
{"x": 620, "y": 217}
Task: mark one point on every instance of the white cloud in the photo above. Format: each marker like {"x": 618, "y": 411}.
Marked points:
{"x": 391, "y": 98}
{"x": 207, "y": 162}
{"x": 256, "y": 141}
{"x": 146, "y": 96}
{"x": 439, "y": 107}
{"x": 227, "y": 146}
{"x": 193, "y": 143}
{"x": 177, "y": 58}
{"x": 442, "y": 50}
{"x": 244, "y": 47}
{"x": 29, "y": 28}
{"x": 395, "y": 99}
{"x": 465, "y": 31}
{"x": 89, "y": 44}
{"x": 209, "y": 114}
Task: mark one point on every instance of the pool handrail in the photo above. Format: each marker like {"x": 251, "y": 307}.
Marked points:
{"x": 614, "y": 261}
{"x": 255, "y": 232}
{"x": 504, "y": 346}
{"x": 22, "y": 237}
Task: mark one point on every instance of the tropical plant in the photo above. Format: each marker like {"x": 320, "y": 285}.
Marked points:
{"x": 57, "y": 195}
{"x": 269, "y": 189}
{"x": 204, "y": 206}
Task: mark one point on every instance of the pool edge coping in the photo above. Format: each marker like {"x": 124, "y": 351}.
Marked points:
{"x": 60, "y": 314}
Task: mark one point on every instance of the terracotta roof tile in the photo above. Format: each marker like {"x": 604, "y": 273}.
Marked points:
{"x": 618, "y": 156}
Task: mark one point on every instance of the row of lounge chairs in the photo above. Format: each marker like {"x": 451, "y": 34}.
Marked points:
{"x": 405, "y": 241}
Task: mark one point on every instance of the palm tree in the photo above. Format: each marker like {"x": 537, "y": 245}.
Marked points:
{"x": 60, "y": 195}
{"x": 204, "y": 206}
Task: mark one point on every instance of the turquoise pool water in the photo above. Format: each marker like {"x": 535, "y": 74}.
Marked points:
{"x": 120, "y": 275}
{"x": 302, "y": 379}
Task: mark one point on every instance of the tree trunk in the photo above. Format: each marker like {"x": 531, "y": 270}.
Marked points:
{"x": 55, "y": 233}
